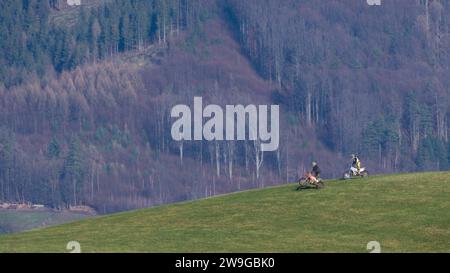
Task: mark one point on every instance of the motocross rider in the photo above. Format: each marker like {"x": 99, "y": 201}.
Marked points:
{"x": 315, "y": 170}
{"x": 356, "y": 163}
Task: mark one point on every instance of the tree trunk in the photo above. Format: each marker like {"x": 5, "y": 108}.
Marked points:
{"x": 308, "y": 109}
{"x": 217, "y": 159}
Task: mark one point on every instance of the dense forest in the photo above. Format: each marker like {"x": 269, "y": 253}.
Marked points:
{"x": 33, "y": 43}
{"x": 374, "y": 80}
{"x": 86, "y": 93}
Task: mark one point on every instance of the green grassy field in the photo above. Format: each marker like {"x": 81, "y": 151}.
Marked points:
{"x": 404, "y": 213}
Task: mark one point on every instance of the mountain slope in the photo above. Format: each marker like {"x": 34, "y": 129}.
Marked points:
{"x": 113, "y": 118}
{"x": 405, "y": 213}
{"x": 85, "y": 106}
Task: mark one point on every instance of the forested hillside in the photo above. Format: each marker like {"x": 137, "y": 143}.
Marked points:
{"x": 86, "y": 94}
{"x": 39, "y": 36}
{"x": 375, "y": 80}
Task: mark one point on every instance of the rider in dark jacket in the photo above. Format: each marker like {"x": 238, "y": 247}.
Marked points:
{"x": 315, "y": 170}
{"x": 356, "y": 163}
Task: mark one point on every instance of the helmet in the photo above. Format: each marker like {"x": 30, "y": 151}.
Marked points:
{"x": 314, "y": 163}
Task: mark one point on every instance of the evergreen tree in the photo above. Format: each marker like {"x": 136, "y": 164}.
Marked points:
{"x": 53, "y": 150}
{"x": 73, "y": 173}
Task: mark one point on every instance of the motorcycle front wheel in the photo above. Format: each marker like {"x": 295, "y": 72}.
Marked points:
{"x": 346, "y": 176}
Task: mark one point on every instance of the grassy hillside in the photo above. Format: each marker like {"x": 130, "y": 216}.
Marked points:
{"x": 405, "y": 213}
{"x": 14, "y": 221}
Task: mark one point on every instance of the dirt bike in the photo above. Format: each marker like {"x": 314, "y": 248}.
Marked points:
{"x": 353, "y": 173}
{"x": 310, "y": 182}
